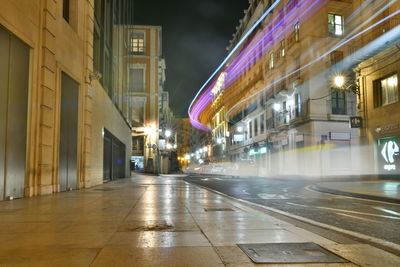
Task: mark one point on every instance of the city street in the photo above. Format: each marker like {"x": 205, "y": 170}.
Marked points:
{"x": 372, "y": 218}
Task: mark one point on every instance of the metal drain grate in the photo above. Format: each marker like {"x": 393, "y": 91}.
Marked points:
{"x": 103, "y": 189}
{"x": 218, "y": 209}
{"x": 289, "y": 253}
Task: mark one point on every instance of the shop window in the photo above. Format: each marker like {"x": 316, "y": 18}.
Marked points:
{"x": 386, "y": 91}
{"x": 335, "y": 24}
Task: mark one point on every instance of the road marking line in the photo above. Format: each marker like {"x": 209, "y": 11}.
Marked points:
{"x": 356, "y": 217}
{"x": 342, "y": 196}
{"x": 347, "y": 211}
{"x": 388, "y": 211}
{"x": 357, "y": 212}
{"x": 245, "y": 192}
{"x": 295, "y": 204}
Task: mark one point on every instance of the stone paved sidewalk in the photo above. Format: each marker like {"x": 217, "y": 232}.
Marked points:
{"x": 150, "y": 221}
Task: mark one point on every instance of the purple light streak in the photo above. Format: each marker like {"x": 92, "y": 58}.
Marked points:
{"x": 253, "y": 51}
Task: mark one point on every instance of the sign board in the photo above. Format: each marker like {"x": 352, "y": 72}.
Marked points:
{"x": 340, "y": 136}
{"x": 161, "y": 144}
{"x": 238, "y": 138}
{"x": 356, "y": 122}
{"x": 389, "y": 154}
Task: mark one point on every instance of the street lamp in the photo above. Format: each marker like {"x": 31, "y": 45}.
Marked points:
{"x": 345, "y": 83}
{"x": 277, "y": 107}
{"x": 168, "y": 133}
{"x": 339, "y": 81}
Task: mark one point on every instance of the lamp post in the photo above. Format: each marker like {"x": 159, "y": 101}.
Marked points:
{"x": 344, "y": 83}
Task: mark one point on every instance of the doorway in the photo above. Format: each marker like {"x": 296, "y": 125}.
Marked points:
{"x": 14, "y": 83}
{"x": 68, "y": 171}
{"x": 114, "y": 154}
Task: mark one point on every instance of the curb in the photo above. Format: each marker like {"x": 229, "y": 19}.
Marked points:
{"x": 356, "y": 195}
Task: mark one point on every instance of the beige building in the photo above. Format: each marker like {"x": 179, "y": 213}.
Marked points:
{"x": 146, "y": 76}
{"x": 276, "y": 102}
{"x": 379, "y": 110}
{"x": 59, "y": 97}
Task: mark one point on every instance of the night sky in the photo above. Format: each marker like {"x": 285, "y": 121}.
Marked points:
{"x": 195, "y": 37}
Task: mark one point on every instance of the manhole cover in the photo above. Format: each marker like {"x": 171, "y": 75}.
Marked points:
{"x": 218, "y": 209}
{"x": 289, "y": 253}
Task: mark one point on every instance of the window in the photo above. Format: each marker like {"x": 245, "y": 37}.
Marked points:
{"x": 136, "y": 80}
{"x": 96, "y": 51}
{"x": 335, "y": 24}
{"x": 136, "y": 43}
{"x": 262, "y": 124}
{"x": 251, "y": 130}
{"x": 255, "y": 127}
{"x": 387, "y": 91}
{"x": 297, "y": 103}
{"x": 282, "y": 49}
{"x": 66, "y": 10}
{"x": 297, "y": 32}
{"x": 271, "y": 60}
{"x": 138, "y": 111}
{"x": 338, "y": 103}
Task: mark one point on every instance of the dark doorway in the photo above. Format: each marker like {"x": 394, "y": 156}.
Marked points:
{"x": 114, "y": 163}
{"x": 14, "y": 83}
{"x": 68, "y": 172}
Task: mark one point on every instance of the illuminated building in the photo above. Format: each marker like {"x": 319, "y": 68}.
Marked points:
{"x": 145, "y": 78}
{"x": 64, "y": 100}
{"x": 379, "y": 111}
{"x": 278, "y": 96}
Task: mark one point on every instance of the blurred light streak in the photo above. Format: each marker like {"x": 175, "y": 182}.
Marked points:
{"x": 228, "y": 57}
{"x": 384, "y": 39}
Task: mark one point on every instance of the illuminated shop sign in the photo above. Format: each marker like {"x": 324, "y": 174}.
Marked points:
{"x": 261, "y": 151}
{"x": 238, "y": 138}
{"x": 388, "y": 149}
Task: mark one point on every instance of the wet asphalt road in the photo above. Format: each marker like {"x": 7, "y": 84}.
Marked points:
{"x": 377, "y": 219}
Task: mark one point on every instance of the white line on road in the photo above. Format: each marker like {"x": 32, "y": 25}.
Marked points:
{"x": 245, "y": 192}
{"x": 388, "y": 211}
{"x": 347, "y": 211}
{"x": 295, "y": 204}
{"x": 356, "y": 217}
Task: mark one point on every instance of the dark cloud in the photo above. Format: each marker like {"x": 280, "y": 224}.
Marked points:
{"x": 195, "y": 35}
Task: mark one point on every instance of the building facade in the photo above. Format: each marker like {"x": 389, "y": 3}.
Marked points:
{"x": 379, "y": 110}
{"x": 146, "y": 76}
{"x": 284, "y": 96}
{"x": 59, "y": 96}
